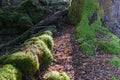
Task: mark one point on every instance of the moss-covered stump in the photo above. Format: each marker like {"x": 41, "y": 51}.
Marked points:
{"x": 9, "y": 72}
{"x": 90, "y": 33}
{"x": 34, "y": 55}
{"x": 54, "y": 75}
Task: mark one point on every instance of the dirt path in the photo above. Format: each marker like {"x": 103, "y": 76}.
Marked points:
{"x": 78, "y": 67}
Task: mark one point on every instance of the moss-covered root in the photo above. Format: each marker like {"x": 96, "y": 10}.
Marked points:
{"x": 54, "y": 75}
{"x": 48, "y": 40}
{"x": 27, "y": 62}
{"x": 47, "y": 56}
{"x": 9, "y": 72}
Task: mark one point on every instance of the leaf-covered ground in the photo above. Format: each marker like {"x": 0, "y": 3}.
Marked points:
{"x": 78, "y": 67}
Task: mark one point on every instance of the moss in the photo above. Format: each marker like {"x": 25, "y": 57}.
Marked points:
{"x": 54, "y": 75}
{"x": 115, "y": 61}
{"x": 14, "y": 20}
{"x": 9, "y": 72}
{"x": 25, "y": 20}
{"x": 27, "y": 62}
{"x": 48, "y": 40}
{"x": 90, "y": 34}
{"x": 64, "y": 76}
{"x": 74, "y": 12}
{"x": 47, "y": 54}
{"x": 48, "y": 32}
{"x": 114, "y": 78}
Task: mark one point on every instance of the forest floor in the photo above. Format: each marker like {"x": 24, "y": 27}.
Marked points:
{"x": 70, "y": 59}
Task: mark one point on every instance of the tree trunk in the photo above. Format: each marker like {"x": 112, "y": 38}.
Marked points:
{"x": 93, "y": 37}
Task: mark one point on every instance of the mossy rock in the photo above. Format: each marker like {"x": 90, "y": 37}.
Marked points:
{"x": 48, "y": 40}
{"x": 9, "y": 72}
{"x": 26, "y": 61}
{"x": 48, "y": 32}
{"x": 55, "y": 75}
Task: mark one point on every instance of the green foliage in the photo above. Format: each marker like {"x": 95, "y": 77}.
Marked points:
{"x": 92, "y": 35}
{"x": 54, "y": 75}
{"x": 9, "y": 72}
{"x": 115, "y": 61}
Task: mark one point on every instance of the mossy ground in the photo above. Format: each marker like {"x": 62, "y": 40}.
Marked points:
{"x": 93, "y": 35}
{"x": 114, "y": 78}
{"x": 115, "y": 61}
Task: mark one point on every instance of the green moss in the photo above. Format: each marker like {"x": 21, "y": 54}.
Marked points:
{"x": 89, "y": 34}
{"x": 115, "y": 61}
{"x": 74, "y": 12}
{"x": 48, "y": 40}
{"x": 48, "y": 32}
{"x": 47, "y": 54}
{"x": 9, "y": 72}
{"x": 25, "y": 20}
{"x": 54, "y": 75}
{"x": 14, "y": 20}
{"x": 114, "y": 78}
{"x": 27, "y": 61}
{"x": 64, "y": 76}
